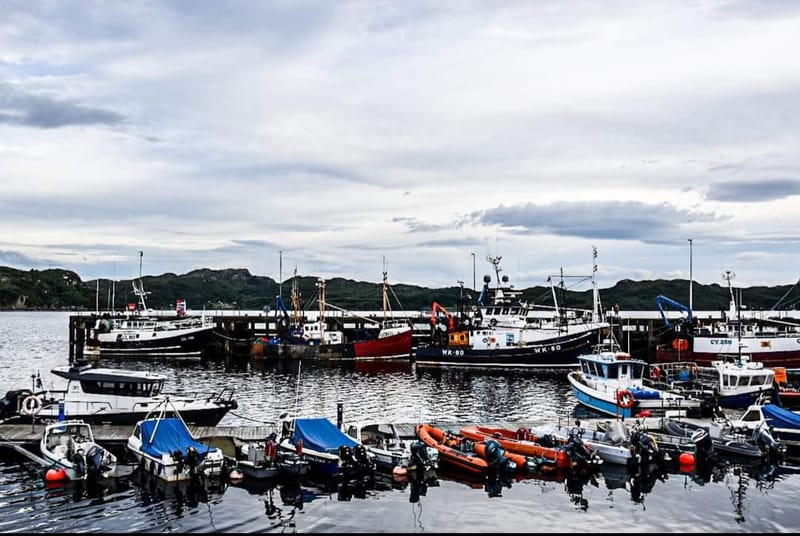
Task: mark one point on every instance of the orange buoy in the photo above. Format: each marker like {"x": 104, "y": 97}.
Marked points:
{"x": 55, "y": 475}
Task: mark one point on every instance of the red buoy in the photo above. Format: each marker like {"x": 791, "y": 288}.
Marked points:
{"x": 55, "y": 475}
{"x": 686, "y": 461}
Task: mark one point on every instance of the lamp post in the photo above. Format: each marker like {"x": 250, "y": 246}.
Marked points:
{"x": 473, "y": 272}
{"x": 690, "y": 274}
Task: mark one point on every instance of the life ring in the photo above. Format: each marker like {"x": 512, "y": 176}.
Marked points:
{"x": 625, "y": 399}
{"x": 32, "y": 405}
{"x": 655, "y": 373}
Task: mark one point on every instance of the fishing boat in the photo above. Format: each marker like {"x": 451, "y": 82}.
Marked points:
{"x": 505, "y": 331}
{"x": 610, "y": 382}
{"x": 99, "y": 395}
{"x": 733, "y": 383}
{"x": 394, "y": 338}
{"x": 299, "y": 338}
{"x": 139, "y": 333}
{"x": 70, "y": 445}
{"x": 775, "y": 342}
{"x": 163, "y": 445}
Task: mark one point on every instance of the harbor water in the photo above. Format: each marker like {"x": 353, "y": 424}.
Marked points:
{"x": 731, "y": 498}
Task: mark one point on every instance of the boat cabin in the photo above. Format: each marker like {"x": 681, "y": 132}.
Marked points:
{"x": 609, "y": 364}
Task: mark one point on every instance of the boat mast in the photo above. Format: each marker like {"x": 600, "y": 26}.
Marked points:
{"x": 385, "y": 291}
{"x": 321, "y": 301}
{"x": 138, "y": 290}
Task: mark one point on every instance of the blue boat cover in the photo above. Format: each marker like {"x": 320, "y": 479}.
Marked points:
{"x": 778, "y": 417}
{"x": 171, "y": 435}
{"x": 321, "y": 435}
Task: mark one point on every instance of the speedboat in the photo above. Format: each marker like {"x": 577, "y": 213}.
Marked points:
{"x": 784, "y": 424}
{"x": 164, "y": 446}
{"x": 70, "y": 445}
{"x": 109, "y": 395}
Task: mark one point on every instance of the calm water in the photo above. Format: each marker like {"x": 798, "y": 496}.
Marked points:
{"x": 732, "y": 499}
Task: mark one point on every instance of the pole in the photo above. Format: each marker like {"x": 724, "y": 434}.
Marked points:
{"x": 690, "y": 274}
{"x": 473, "y": 272}
{"x": 280, "y": 274}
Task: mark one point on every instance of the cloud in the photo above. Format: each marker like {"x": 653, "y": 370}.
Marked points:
{"x": 46, "y": 112}
{"x": 757, "y": 191}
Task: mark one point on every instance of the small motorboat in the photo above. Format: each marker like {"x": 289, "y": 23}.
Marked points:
{"x": 523, "y": 441}
{"x": 330, "y": 452}
{"x": 264, "y": 460}
{"x": 164, "y": 446}
{"x": 727, "y": 441}
{"x": 473, "y": 458}
{"x": 70, "y": 445}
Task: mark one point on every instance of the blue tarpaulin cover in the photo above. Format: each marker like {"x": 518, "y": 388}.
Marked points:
{"x": 778, "y": 417}
{"x": 171, "y": 435}
{"x": 321, "y": 435}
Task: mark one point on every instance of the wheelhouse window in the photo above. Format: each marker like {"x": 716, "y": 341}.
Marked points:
{"x": 145, "y": 389}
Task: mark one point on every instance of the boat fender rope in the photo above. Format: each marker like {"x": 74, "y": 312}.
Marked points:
{"x": 32, "y": 405}
{"x": 625, "y": 399}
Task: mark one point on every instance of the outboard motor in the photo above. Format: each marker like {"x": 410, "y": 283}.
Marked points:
{"x": 703, "y": 445}
{"x": 420, "y": 464}
{"x": 644, "y": 446}
{"x": 193, "y": 459}
{"x": 577, "y": 451}
{"x": 771, "y": 449}
{"x": 94, "y": 462}
{"x": 180, "y": 462}
{"x": 79, "y": 463}
{"x": 496, "y": 457}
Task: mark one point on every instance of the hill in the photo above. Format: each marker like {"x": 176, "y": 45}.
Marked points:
{"x": 57, "y": 289}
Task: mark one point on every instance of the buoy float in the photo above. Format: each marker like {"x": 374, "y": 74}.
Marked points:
{"x": 55, "y": 475}
{"x": 399, "y": 472}
{"x": 686, "y": 461}
{"x": 235, "y": 474}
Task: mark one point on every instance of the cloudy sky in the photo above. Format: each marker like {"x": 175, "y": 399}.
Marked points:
{"x": 327, "y": 136}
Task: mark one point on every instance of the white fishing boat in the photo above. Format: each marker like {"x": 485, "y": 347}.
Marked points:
{"x": 70, "y": 445}
{"x": 609, "y": 381}
{"x": 139, "y": 333}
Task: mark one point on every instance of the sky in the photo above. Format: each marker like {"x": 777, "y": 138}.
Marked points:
{"x": 339, "y": 139}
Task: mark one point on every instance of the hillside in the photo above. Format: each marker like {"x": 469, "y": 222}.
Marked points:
{"x": 57, "y": 289}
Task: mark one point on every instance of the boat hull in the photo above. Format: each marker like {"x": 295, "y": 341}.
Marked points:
{"x": 469, "y": 464}
{"x": 152, "y": 342}
{"x": 391, "y": 347}
{"x": 557, "y": 352}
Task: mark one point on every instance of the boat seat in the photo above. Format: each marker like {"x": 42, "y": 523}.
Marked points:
{"x": 60, "y": 451}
